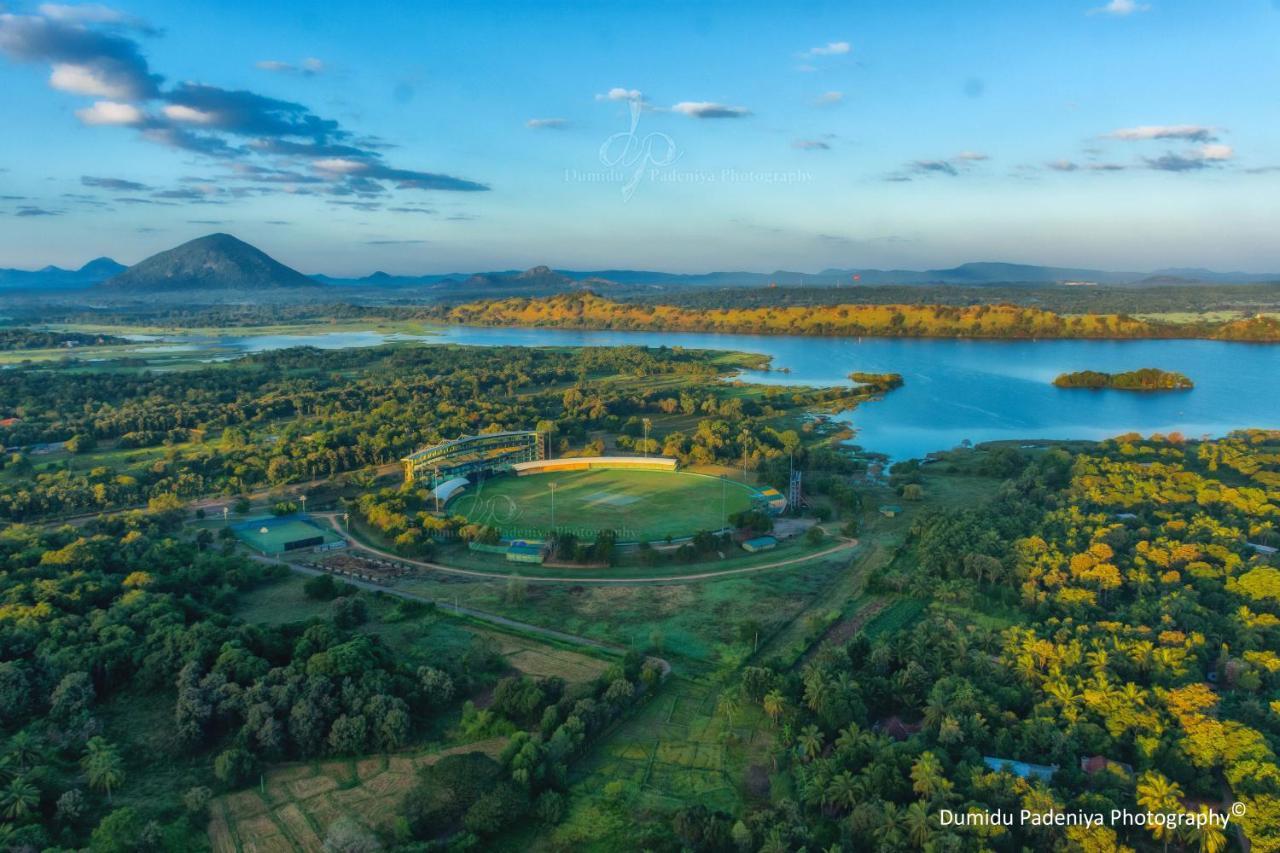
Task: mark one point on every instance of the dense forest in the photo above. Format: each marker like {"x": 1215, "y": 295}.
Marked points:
{"x": 1102, "y": 299}
{"x": 302, "y": 414}
{"x": 20, "y": 339}
{"x": 326, "y": 307}
{"x": 1126, "y": 658}
{"x": 589, "y": 311}
{"x": 126, "y": 617}
{"x": 1144, "y": 379}
{"x": 128, "y": 612}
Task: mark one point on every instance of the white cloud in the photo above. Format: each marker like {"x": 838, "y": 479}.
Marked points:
{"x": 87, "y": 13}
{"x": 829, "y": 99}
{"x": 617, "y": 93}
{"x": 1192, "y": 132}
{"x": 1120, "y": 8}
{"x": 710, "y": 109}
{"x": 307, "y": 67}
{"x": 970, "y": 157}
{"x": 546, "y": 123}
{"x": 1217, "y": 151}
{"x": 110, "y": 113}
{"x": 190, "y": 115}
{"x": 340, "y": 165}
{"x": 85, "y": 80}
{"x": 831, "y": 48}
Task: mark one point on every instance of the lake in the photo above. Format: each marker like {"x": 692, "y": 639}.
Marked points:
{"x": 955, "y": 389}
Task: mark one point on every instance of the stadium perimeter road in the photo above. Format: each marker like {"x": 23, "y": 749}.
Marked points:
{"x": 844, "y": 545}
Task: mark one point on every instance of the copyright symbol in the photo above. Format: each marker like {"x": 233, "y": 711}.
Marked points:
{"x": 1238, "y": 809}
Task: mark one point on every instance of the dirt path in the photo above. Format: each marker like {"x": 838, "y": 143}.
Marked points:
{"x": 844, "y": 545}
{"x": 844, "y": 630}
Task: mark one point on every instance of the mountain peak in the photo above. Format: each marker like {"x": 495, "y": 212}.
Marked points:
{"x": 212, "y": 262}
{"x": 102, "y": 268}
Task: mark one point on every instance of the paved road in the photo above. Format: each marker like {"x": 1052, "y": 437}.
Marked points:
{"x": 844, "y": 545}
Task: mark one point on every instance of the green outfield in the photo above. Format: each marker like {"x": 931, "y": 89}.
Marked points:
{"x": 638, "y": 505}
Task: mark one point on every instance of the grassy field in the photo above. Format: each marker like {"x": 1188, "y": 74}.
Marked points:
{"x": 295, "y": 804}
{"x": 639, "y": 505}
{"x": 426, "y": 634}
{"x": 681, "y": 747}
{"x": 704, "y": 626}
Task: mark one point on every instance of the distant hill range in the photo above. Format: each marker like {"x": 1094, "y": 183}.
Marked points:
{"x": 56, "y": 278}
{"x": 214, "y": 262}
{"x": 222, "y": 263}
{"x": 972, "y": 274}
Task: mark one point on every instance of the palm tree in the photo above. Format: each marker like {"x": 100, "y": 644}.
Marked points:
{"x": 774, "y": 843}
{"x": 19, "y": 799}
{"x": 810, "y": 742}
{"x": 890, "y": 826}
{"x": 728, "y": 705}
{"x": 816, "y": 692}
{"x": 865, "y": 816}
{"x": 1208, "y": 837}
{"x": 844, "y": 791}
{"x": 774, "y": 704}
{"x": 1157, "y": 794}
{"x": 927, "y": 779}
{"x": 850, "y": 737}
{"x": 919, "y": 823}
{"x": 25, "y": 749}
{"x": 103, "y": 766}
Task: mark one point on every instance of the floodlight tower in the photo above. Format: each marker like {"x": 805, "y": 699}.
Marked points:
{"x": 793, "y": 487}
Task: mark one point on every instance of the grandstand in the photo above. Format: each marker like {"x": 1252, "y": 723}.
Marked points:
{"x": 592, "y": 463}
{"x": 473, "y": 455}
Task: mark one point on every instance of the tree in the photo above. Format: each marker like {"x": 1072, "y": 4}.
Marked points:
{"x": 774, "y": 704}
{"x": 1157, "y": 795}
{"x": 810, "y": 742}
{"x": 927, "y": 778}
{"x": 196, "y": 800}
{"x": 118, "y": 832}
{"x": 234, "y": 767}
{"x": 25, "y": 749}
{"x": 19, "y": 799}
{"x": 346, "y": 835}
{"x": 71, "y": 805}
{"x": 348, "y": 612}
{"x": 103, "y": 766}
{"x": 1207, "y": 837}
{"x": 918, "y": 823}
{"x": 320, "y": 587}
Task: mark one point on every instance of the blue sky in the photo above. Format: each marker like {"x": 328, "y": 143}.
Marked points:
{"x": 467, "y": 136}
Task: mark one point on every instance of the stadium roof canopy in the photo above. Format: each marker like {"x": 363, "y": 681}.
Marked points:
{"x": 449, "y": 488}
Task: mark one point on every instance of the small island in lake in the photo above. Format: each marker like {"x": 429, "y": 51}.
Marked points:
{"x": 877, "y": 381}
{"x": 1146, "y": 379}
